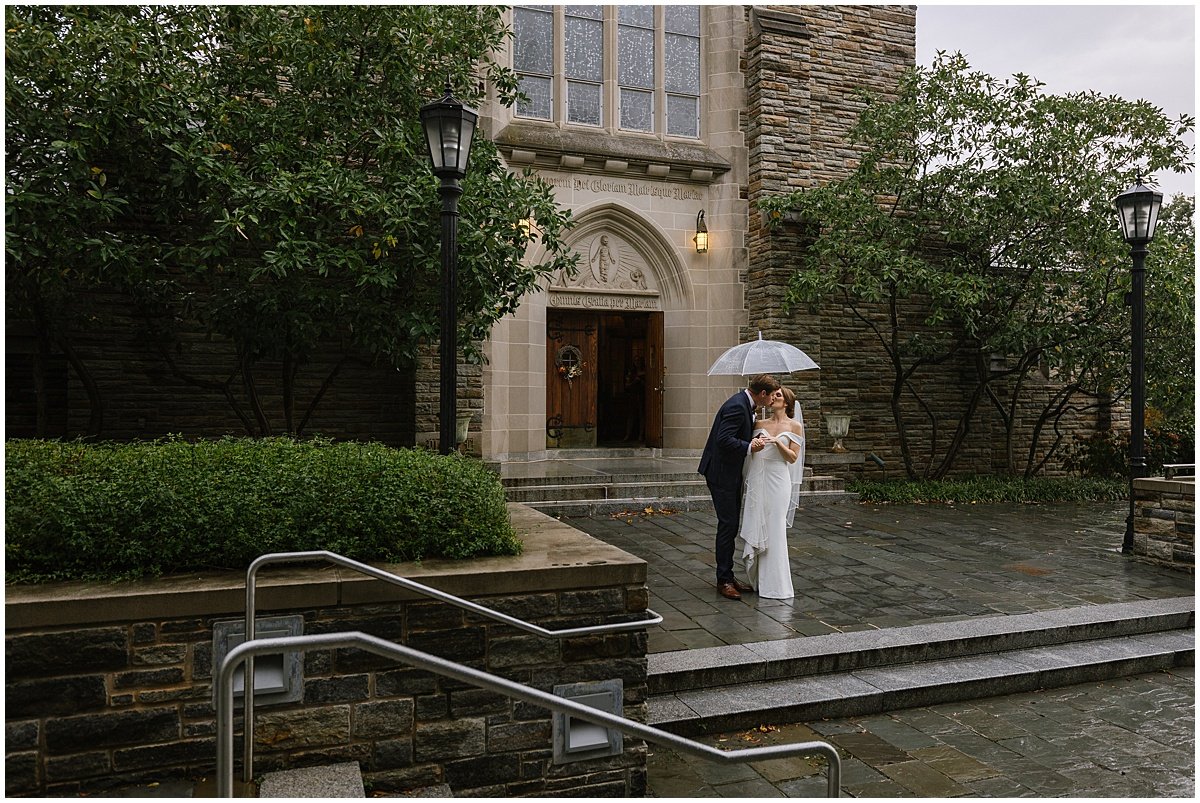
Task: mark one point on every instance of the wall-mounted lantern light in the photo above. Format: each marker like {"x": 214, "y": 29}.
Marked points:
{"x": 701, "y": 237}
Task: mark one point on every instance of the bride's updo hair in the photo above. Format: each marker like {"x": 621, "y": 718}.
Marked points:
{"x": 789, "y": 399}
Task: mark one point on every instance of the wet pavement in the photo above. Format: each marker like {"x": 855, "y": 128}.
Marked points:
{"x": 871, "y": 566}
{"x": 868, "y": 566}
{"x": 1129, "y": 737}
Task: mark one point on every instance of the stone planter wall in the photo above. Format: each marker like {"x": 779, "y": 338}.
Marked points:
{"x": 1164, "y": 531}
{"x": 109, "y": 686}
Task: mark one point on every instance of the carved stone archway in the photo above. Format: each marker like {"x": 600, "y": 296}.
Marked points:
{"x": 624, "y": 254}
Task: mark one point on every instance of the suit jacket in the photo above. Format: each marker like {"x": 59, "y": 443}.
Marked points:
{"x": 728, "y": 442}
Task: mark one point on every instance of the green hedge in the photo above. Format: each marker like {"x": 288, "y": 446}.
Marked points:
{"x": 117, "y": 511}
{"x": 991, "y": 489}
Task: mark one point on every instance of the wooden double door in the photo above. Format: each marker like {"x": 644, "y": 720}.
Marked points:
{"x": 604, "y": 379}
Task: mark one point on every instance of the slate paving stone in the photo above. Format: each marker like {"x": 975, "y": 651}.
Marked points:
{"x": 896, "y": 733}
{"x": 858, "y": 773}
{"x": 1093, "y": 777}
{"x": 999, "y": 786}
{"x": 805, "y": 787}
{"x": 929, "y": 721}
{"x": 755, "y": 788}
{"x": 885, "y": 788}
{"x": 870, "y": 748}
{"x": 923, "y": 780}
{"x": 788, "y": 769}
{"x": 1162, "y": 780}
{"x": 697, "y": 639}
{"x": 1031, "y": 747}
{"x": 954, "y": 764}
{"x": 721, "y": 774}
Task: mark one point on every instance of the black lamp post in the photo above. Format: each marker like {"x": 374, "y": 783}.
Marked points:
{"x": 1137, "y": 209}
{"x": 449, "y": 128}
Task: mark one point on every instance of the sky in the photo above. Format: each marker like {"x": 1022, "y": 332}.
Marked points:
{"x": 1135, "y": 51}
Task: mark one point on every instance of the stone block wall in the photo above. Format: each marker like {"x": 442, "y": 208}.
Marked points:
{"x": 108, "y": 686}
{"x": 143, "y": 397}
{"x": 803, "y": 67}
{"x": 1164, "y": 530}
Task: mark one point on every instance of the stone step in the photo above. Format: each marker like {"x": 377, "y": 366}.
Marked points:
{"x": 334, "y": 780}
{"x": 603, "y": 507}
{"x": 581, "y": 493}
{"x": 889, "y": 688}
{"x": 842, "y": 652}
{"x": 605, "y": 490}
{"x": 634, "y": 478}
{"x": 687, "y": 477}
{"x": 639, "y": 490}
{"x": 864, "y": 672}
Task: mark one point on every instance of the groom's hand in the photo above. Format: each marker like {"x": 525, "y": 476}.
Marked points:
{"x": 757, "y": 445}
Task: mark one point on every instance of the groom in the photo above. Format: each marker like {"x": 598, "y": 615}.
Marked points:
{"x": 729, "y": 443}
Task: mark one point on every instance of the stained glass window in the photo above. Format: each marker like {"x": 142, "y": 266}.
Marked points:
{"x": 682, "y": 79}
{"x": 635, "y": 66}
{"x": 533, "y": 59}
{"x": 584, "y": 63}
{"x": 655, "y": 66}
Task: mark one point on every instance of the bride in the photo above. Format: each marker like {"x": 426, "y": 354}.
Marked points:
{"x": 772, "y": 480}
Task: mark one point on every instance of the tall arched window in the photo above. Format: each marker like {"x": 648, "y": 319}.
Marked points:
{"x": 621, "y": 68}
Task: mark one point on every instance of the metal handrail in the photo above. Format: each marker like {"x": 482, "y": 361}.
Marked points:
{"x": 421, "y": 660}
{"x": 387, "y": 577}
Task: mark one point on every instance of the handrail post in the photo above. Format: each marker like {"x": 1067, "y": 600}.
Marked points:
{"x": 248, "y": 678}
{"x": 224, "y": 678}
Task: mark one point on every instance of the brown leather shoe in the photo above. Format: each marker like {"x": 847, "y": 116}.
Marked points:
{"x": 740, "y": 586}
{"x": 728, "y": 591}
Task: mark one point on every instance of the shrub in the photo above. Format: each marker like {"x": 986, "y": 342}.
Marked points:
{"x": 990, "y": 489}
{"x": 115, "y": 511}
{"x": 1106, "y": 454}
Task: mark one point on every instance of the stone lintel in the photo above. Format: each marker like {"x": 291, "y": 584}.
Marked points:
{"x": 550, "y": 147}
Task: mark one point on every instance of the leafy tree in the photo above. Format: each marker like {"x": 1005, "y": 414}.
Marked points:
{"x": 266, "y": 177}
{"x": 90, "y": 105}
{"x": 978, "y": 226}
{"x": 1171, "y": 313}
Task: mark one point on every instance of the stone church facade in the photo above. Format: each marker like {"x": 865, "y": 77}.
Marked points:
{"x": 617, "y": 355}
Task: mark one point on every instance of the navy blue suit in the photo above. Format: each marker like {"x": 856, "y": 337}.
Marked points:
{"x": 721, "y": 464}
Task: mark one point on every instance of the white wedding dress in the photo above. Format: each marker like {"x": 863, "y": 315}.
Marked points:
{"x": 772, "y": 491}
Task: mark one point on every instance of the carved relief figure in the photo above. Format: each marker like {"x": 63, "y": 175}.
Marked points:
{"x": 602, "y": 260}
{"x": 611, "y": 265}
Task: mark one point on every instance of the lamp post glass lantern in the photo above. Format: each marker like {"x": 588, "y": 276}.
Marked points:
{"x": 449, "y": 130}
{"x": 1137, "y": 209}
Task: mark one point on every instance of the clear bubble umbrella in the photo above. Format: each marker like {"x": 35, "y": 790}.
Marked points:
{"x": 761, "y": 357}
